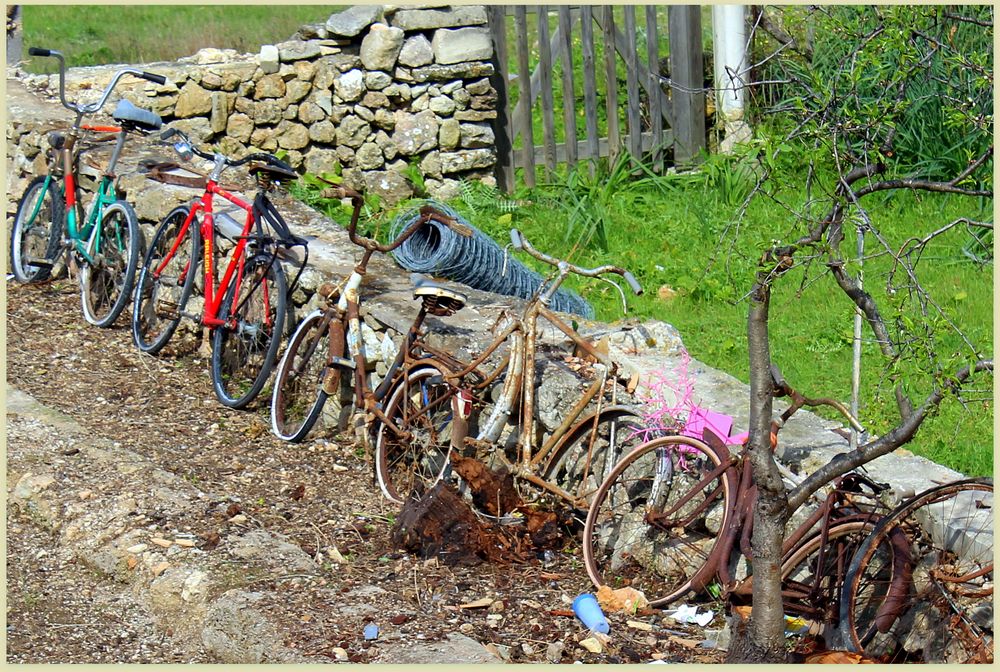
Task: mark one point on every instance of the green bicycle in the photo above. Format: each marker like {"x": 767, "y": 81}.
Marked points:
{"x": 107, "y": 244}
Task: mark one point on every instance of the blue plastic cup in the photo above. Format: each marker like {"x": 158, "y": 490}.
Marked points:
{"x": 587, "y": 609}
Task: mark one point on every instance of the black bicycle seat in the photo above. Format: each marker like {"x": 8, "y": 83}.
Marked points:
{"x": 273, "y": 172}
{"x": 128, "y": 114}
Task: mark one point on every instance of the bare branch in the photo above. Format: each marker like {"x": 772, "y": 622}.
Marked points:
{"x": 899, "y": 435}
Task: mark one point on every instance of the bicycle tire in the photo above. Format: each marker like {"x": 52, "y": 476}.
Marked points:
{"x": 621, "y": 547}
{"x": 899, "y": 605}
{"x": 419, "y": 403}
{"x": 567, "y": 466}
{"x": 106, "y": 289}
{"x": 242, "y": 357}
{"x": 159, "y": 300}
{"x": 298, "y": 396}
{"x": 811, "y": 586}
{"x": 28, "y": 241}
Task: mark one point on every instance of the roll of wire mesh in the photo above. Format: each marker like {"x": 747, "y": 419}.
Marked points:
{"x": 477, "y": 261}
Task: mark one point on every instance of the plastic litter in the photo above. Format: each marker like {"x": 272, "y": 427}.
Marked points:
{"x": 587, "y": 609}
{"x": 371, "y": 632}
{"x": 689, "y": 614}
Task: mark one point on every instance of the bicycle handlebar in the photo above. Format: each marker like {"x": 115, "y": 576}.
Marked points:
{"x": 519, "y": 242}
{"x": 92, "y": 107}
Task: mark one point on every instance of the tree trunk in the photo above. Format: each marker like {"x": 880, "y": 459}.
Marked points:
{"x": 764, "y": 639}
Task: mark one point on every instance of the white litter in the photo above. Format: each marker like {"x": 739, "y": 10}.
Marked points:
{"x": 689, "y": 614}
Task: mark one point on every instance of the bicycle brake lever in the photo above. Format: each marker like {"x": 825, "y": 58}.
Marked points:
{"x": 620, "y": 292}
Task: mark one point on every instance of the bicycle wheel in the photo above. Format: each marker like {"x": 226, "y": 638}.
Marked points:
{"x": 161, "y": 294}
{"x": 244, "y": 353}
{"x": 813, "y": 572}
{"x": 419, "y": 404}
{"x": 586, "y": 455}
{"x": 298, "y": 396}
{"x": 656, "y": 519}
{"x": 106, "y": 285}
{"x": 929, "y": 599}
{"x": 37, "y": 230}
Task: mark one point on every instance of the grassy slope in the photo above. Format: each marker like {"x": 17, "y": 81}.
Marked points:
{"x": 89, "y": 34}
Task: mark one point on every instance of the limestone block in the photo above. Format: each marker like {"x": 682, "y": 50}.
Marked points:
{"x": 352, "y": 21}
{"x": 377, "y": 81}
{"x": 381, "y": 46}
{"x": 441, "y": 105}
{"x": 469, "y": 159}
{"x": 350, "y": 86}
{"x": 310, "y": 113}
{"x": 369, "y": 157}
{"x": 352, "y": 131}
{"x": 441, "y": 17}
{"x": 416, "y": 51}
{"x": 462, "y": 44}
{"x": 192, "y": 101}
{"x": 323, "y": 131}
{"x": 415, "y": 133}
{"x": 389, "y": 185}
{"x": 477, "y": 135}
{"x": 297, "y": 50}
{"x": 269, "y": 58}
{"x": 441, "y": 73}
{"x": 269, "y": 86}
{"x": 450, "y": 134}
{"x": 239, "y": 127}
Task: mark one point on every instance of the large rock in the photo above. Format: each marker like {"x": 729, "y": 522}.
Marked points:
{"x": 350, "y": 86}
{"x": 438, "y": 72}
{"x": 352, "y": 131}
{"x": 381, "y": 47}
{"x": 415, "y": 133}
{"x": 239, "y": 127}
{"x": 390, "y": 186}
{"x": 461, "y": 45}
{"x": 444, "y": 17}
{"x": 269, "y": 86}
{"x": 469, "y": 159}
{"x": 352, "y": 21}
{"x": 297, "y": 50}
{"x": 477, "y": 135}
{"x": 416, "y": 51}
{"x": 193, "y": 101}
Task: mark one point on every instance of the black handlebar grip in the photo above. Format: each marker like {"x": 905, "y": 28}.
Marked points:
{"x": 154, "y": 78}
{"x": 633, "y": 283}
{"x": 36, "y": 51}
{"x": 169, "y": 133}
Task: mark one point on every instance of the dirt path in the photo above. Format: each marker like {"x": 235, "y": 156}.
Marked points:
{"x": 147, "y": 437}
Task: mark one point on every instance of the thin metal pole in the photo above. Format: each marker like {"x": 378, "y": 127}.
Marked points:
{"x": 858, "y": 324}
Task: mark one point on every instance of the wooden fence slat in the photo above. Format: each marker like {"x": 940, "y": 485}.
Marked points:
{"x": 548, "y": 105}
{"x": 522, "y": 113}
{"x": 648, "y": 142}
{"x": 569, "y": 97}
{"x": 687, "y": 72}
{"x": 611, "y": 77}
{"x": 499, "y": 79}
{"x": 536, "y": 79}
{"x": 655, "y": 100}
{"x": 632, "y": 84}
{"x": 589, "y": 82}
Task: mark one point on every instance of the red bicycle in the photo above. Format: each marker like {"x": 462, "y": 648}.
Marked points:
{"x": 246, "y": 308}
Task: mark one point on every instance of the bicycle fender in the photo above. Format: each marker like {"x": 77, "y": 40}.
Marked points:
{"x": 899, "y": 587}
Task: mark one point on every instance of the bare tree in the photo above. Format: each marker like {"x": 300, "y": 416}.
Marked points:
{"x": 858, "y": 111}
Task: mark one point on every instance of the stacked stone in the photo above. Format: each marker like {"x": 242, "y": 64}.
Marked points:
{"x": 375, "y": 90}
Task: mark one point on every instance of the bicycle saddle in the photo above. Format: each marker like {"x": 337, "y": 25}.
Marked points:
{"x": 273, "y": 172}
{"x": 437, "y": 299}
{"x": 127, "y": 113}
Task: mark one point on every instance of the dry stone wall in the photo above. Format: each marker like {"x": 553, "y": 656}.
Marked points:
{"x": 374, "y": 92}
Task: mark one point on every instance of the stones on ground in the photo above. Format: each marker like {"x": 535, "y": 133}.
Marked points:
{"x": 592, "y": 644}
{"x": 266, "y": 549}
{"x": 461, "y": 44}
{"x": 554, "y": 652}
{"x": 381, "y": 46}
{"x": 269, "y": 59}
{"x": 454, "y": 647}
{"x": 353, "y": 20}
{"x": 160, "y": 567}
{"x": 161, "y": 542}
{"x": 446, "y": 17}
{"x": 236, "y": 632}
{"x": 416, "y": 51}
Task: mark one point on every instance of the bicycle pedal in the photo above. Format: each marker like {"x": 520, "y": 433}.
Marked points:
{"x": 39, "y": 263}
{"x": 166, "y": 310}
{"x": 343, "y": 363}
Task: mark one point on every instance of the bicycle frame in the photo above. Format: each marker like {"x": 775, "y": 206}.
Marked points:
{"x": 214, "y": 294}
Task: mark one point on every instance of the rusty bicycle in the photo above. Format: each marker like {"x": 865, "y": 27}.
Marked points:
{"x": 675, "y": 517}
{"x": 567, "y": 464}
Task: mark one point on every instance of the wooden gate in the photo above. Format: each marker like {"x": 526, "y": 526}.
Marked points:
{"x": 652, "y": 119}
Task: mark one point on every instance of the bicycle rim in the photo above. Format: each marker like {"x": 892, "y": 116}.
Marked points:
{"x": 159, "y": 299}
{"x": 640, "y": 532}
{"x": 298, "y": 396}
{"x": 106, "y": 285}
{"x": 419, "y": 405}
{"x": 243, "y": 351}
{"x": 36, "y": 231}
{"x": 931, "y": 598}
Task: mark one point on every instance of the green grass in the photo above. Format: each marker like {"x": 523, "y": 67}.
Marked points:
{"x": 94, "y": 34}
